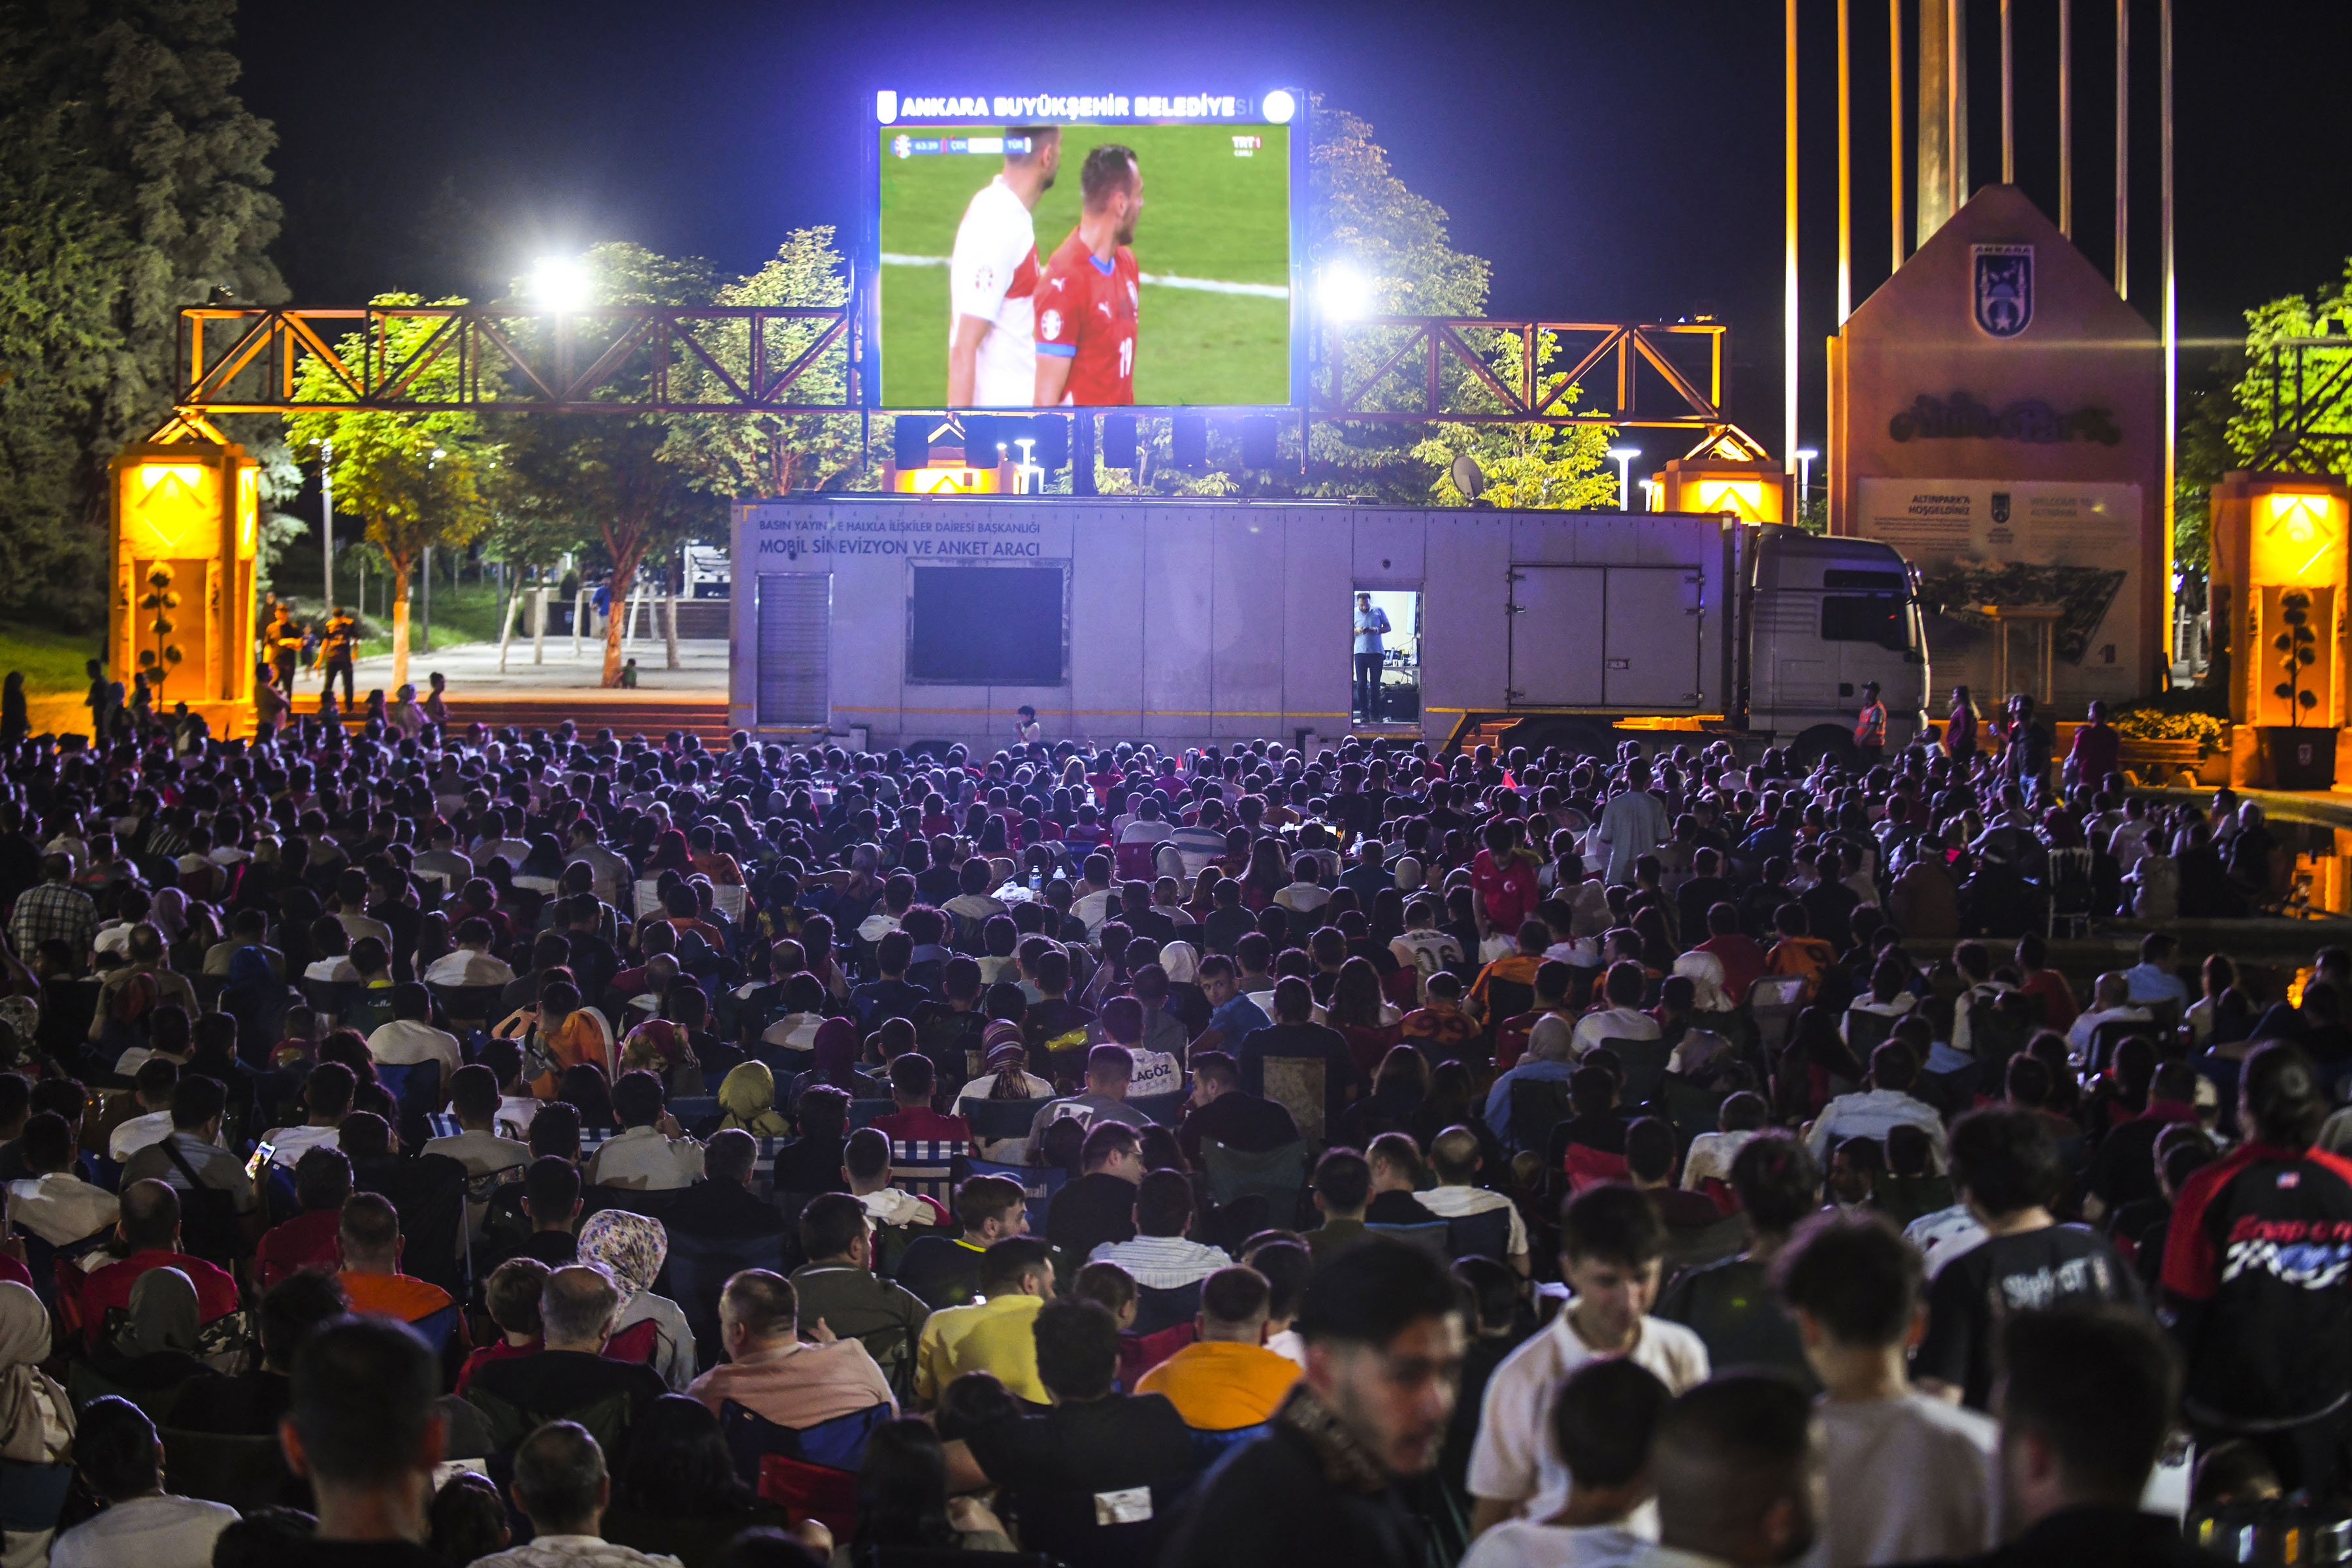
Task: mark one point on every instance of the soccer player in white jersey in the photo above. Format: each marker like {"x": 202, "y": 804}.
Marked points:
{"x": 992, "y": 278}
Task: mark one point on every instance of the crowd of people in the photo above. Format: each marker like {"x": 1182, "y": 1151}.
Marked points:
{"x": 436, "y": 1146}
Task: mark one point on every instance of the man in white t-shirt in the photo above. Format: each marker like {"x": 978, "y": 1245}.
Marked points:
{"x": 1454, "y": 1156}
{"x": 992, "y": 279}
{"x": 1910, "y": 1476}
{"x": 1611, "y": 1246}
{"x": 409, "y": 1037}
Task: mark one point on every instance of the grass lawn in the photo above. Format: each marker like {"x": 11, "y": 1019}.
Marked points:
{"x": 1207, "y": 215}
{"x": 463, "y": 612}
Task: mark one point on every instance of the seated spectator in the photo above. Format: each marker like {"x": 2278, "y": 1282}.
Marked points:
{"x": 471, "y": 963}
{"x": 572, "y": 1378}
{"x": 1095, "y": 1442}
{"x": 1099, "y": 1205}
{"x": 1341, "y": 1188}
{"x": 121, "y": 1459}
{"x": 1741, "y": 1117}
{"x": 2124, "y": 1171}
{"x": 2007, "y": 1170}
{"x": 903, "y": 1502}
{"x": 630, "y": 1249}
{"x": 1888, "y": 1102}
{"x": 322, "y": 1181}
{"x": 679, "y": 1496}
{"x": 562, "y": 1486}
{"x": 552, "y": 1203}
{"x": 650, "y": 1153}
{"x": 943, "y": 1270}
{"x": 470, "y": 1519}
{"x": 369, "y": 1235}
{"x": 722, "y": 1204}
{"x": 1218, "y": 1110}
{"x": 1113, "y": 1289}
{"x": 1855, "y": 1166}
{"x": 191, "y": 1154}
{"x": 1621, "y": 1017}
{"x": 409, "y": 1037}
{"x": 1589, "y": 1146}
{"x": 1004, "y": 1074}
{"x": 1398, "y": 1172}
{"x": 251, "y": 1404}
{"x": 149, "y": 1233}
{"x": 151, "y": 1091}
{"x": 1304, "y": 1066}
{"x": 491, "y": 1158}
{"x": 54, "y": 1202}
{"x": 328, "y": 1094}
{"x": 747, "y": 1102}
{"x": 1737, "y": 1462}
{"x": 1612, "y": 1244}
{"x": 865, "y": 1166}
{"x": 1650, "y": 1166}
{"x": 2110, "y": 1002}
{"x": 1455, "y": 1159}
{"x": 1332, "y": 1482}
{"x": 1910, "y": 1476}
{"x": 36, "y": 1415}
{"x": 1160, "y": 1256}
{"x": 773, "y": 1373}
{"x": 1226, "y": 1378}
{"x": 913, "y": 1080}
{"x": 511, "y": 1297}
{"x": 1109, "y": 1071}
{"x": 1602, "y": 1423}
{"x": 993, "y": 1335}
{"x": 840, "y": 1296}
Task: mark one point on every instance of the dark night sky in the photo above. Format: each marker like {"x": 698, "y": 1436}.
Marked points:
{"x": 1612, "y": 161}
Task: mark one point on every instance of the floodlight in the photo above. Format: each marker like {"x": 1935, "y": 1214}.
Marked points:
{"x": 560, "y": 283}
{"x": 1808, "y": 453}
{"x": 1344, "y": 292}
{"x": 1624, "y": 457}
{"x": 1279, "y": 105}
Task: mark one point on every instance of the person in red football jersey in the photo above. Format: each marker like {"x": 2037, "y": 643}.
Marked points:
{"x": 1086, "y": 300}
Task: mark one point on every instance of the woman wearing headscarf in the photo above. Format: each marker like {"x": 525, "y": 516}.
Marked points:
{"x": 747, "y": 1100}
{"x": 835, "y": 1063}
{"x": 155, "y": 1347}
{"x": 36, "y": 1416}
{"x": 1186, "y": 1000}
{"x": 631, "y": 1248}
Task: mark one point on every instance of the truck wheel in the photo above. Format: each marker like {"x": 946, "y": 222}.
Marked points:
{"x": 1822, "y": 741}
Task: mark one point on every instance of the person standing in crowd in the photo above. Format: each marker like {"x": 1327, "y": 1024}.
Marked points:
{"x": 1371, "y": 626}
{"x": 1870, "y": 728}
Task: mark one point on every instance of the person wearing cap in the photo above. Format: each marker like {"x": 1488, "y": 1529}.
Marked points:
{"x": 1870, "y": 729}
{"x": 1006, "y": 1075}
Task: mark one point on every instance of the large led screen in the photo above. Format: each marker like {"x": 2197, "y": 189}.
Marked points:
{"x": 1084, "y": 259}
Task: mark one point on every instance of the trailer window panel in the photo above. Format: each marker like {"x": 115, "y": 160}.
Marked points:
{"x": 988, "y": 625}
{"x": 1847, "y": 577}
{"x": 1864, "y": 617}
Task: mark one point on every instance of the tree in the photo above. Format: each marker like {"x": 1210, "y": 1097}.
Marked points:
{"x": 131, "y": 182}
{"x": 745, "y": 455}
{"x": 612, "y": 477}
{"x": 417, "y": 479}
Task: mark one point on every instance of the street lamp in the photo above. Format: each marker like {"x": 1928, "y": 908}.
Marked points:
{"x": 559, "y": 284}
{"x": 1624, "y": 457}
{"x": 1804, "y": 456}
{"x": 327, "y": 526}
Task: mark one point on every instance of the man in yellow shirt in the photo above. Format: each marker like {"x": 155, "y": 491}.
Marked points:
{"x": 1227, "y": 1379}
{"x": 993, "y": 1334}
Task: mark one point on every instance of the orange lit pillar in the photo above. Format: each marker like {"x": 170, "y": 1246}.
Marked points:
{"x": 1752, "y": 491}
{"x": 184, "y": 548}
{"x": 2279, "y": 593}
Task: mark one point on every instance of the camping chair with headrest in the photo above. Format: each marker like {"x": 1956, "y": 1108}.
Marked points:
{"x": 995, "y": 1120}
{"x": 1692, "y": 1108}
{"x": 1296, "y": 1084}
{"x": 862, "y": 1112}
{"x": 813, "y": 1471}
{"x": 417, "y": 1089}
{"x": 1536, "y": 1106}
{"x": 1136, "y": 862}
{"x": 1435, "y": 1237}
{"x": 1487, "y": 1234}
{"x": 33, "y": 1497}
{"x": 1159, "y": 1309}
{"x": 926, "y": 1166}
{"x": 1038, "y": 1186}
{"x": 1278, "y": 1177}
{"x": 1774, "y": 1002}
{"x": 245, "y": 1473}
{"x": 330, "y": 999}
{"x": 2073, "y": 891}
{"x": 698, "y": 1269}
{"x": 1865, "y": 1031}
{"x": 1645, "y": 1068}
{"x": 477, "y": 1004}
{"x": 1165, "y": 1110}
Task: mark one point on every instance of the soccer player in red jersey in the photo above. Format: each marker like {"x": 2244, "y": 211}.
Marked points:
{"x": 1086, "y": 300}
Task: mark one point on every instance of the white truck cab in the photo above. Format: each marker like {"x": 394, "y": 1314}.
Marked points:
{"x": 1827, "y": 616}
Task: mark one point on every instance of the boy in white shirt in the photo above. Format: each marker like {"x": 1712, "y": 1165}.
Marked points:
{"x": 1603, "y": 1424}
{"x": 1910, "y": 1476}
{"x": 1612, "y": 1244}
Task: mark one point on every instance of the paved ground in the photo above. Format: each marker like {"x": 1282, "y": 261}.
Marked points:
{"x": 473, "y": 670}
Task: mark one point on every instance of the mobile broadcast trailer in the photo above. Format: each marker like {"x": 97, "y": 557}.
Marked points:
{"x": 892, "y": 621}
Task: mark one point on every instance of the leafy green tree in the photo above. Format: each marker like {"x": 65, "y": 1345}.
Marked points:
{"x": 742, "y": 455}
{"x": 131, "y": 182}
{"x": 416, "y": 478}
{"x": 610, "y": 477}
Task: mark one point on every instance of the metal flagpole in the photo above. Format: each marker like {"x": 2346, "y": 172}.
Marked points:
{"x": 1789, "y": 281}
{"x": 2171, "y": 319}
{"x": 327, "y": 528}
{"x": 2008, "y": 102}
{"x": 2066, "y": 118}
{"x": 1845, "y": 165}
{"x": 1895, "y": 131}
{"x": 2123, "y": 147}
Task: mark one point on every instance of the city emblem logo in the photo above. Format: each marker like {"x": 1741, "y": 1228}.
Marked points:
{"x": 2001, "y": 506}
{"x": 2002, "y": 284}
